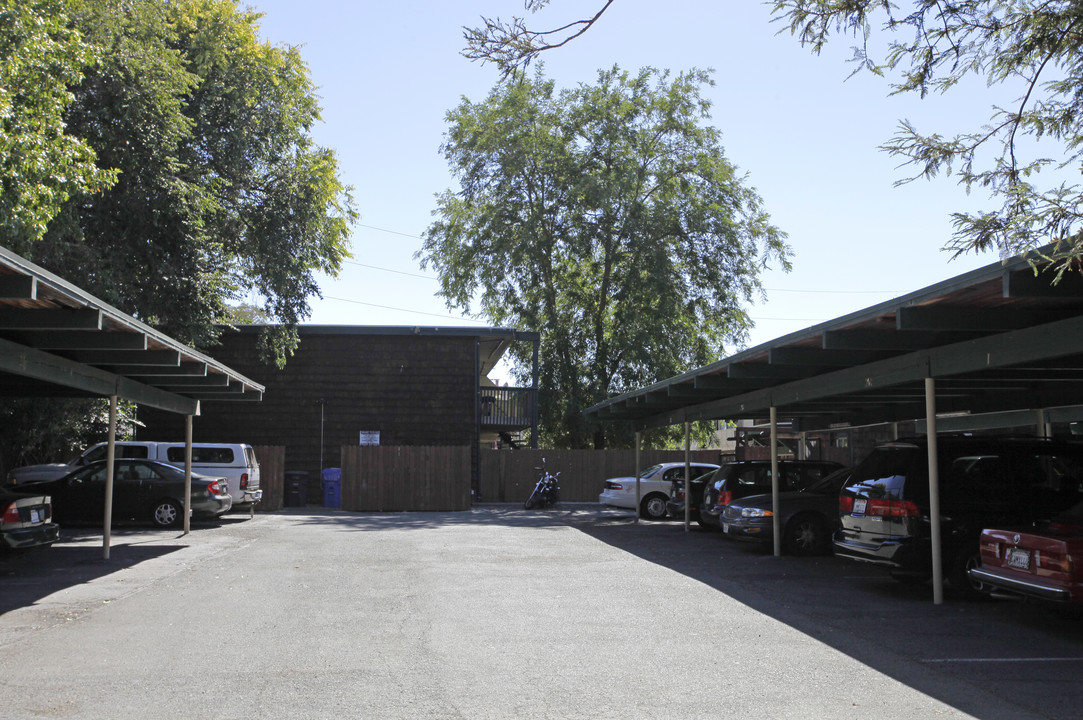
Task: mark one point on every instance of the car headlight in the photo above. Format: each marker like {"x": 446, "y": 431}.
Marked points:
{"x": 756, "y": 513}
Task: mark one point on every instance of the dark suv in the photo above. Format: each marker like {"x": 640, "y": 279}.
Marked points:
{"x": 984, "y": 482}
{"x": 753, "y": 477}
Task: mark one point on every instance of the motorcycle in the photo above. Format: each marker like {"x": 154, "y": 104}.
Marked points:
{"x": 546, "y": 491}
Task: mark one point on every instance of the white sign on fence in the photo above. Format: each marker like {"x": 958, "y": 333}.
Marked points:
{"x": 370, "y": 437}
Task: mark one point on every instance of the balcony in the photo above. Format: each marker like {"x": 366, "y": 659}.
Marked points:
{"x": 508, "y": 409}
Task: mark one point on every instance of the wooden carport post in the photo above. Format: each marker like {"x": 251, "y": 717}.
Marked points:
{"x": 775, "y": 524}
{"x": 687, "y": 482}
{"x": 187, "y": 474}
{"x": 934, "y": 491}
{"x": 637, "y": 477}
{"x": 110, "y": 469}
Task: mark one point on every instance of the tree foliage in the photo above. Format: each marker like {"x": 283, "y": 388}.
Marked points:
{"x": 41, "y": 166}
{"x": 1029, "y": 52}
{"x": 608, "y": 218}
{"x": 221, "y": 190}
{"x": 1034, "y": 51}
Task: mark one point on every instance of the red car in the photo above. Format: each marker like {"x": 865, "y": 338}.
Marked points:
{"x": 1044, "y": 562}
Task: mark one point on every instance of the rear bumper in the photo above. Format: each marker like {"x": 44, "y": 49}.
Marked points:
{"x": 37, "y": 536}
{"x": 617, "y": 500}
{"x": 1030, "y": 587}
{"x": 897, "y": 554}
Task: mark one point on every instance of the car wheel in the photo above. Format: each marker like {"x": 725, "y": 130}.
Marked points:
{"x": 958, "y": 573}
{"x": 653, "y": 507}
{"x": 806, "y": 535}
{"x": 165, "y": 513}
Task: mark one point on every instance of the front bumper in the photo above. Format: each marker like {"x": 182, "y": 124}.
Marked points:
{"x": 749, "y": 528}
{"x": 36, "y": 536}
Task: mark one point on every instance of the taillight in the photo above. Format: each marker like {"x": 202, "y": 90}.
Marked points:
{"x": 613, "y": 486}
{"x": 244, "y": 481}
{"x": 725, "y": 497}
{"x": 214, "y": 488}
{"x": 11, "y": 514}
{"x": 891, "y": 508}
{"x": 846, "y": 504}
{"x": 1055, "y": 562}
{"x": 680, "y": 494}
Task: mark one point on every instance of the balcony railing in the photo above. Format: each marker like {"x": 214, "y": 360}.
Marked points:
{"x": 508, "y": 408}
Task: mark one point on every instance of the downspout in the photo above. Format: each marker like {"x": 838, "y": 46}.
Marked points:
{"x": 775, "y": 520}
{"x": 934, "y": 491}
{"x": 110, "y": 470}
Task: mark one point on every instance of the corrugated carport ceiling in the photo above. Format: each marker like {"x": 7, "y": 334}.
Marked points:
{"x": 57, "y": 340}
{"x": 995, "y": 339}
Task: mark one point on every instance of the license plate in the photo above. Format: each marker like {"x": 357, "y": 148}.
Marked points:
{"x": 35, "y": 516}
{"x": 1019, "y": 558}
{"x": 726, "y": 527}
{"x": 859, "y": 506}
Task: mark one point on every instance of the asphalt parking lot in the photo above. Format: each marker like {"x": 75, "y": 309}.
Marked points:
{"x": 500, "y": 612}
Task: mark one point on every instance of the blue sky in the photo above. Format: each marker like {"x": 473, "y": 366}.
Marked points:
{"x": 804, "y": 133}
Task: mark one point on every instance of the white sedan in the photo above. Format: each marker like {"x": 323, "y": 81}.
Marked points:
{"x": 654, "y": 486}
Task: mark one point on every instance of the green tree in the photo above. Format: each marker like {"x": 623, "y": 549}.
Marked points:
{"x": 41, "y": 166}
{"x": 221, "y": 190}
{"x": 1031, "y": 53}
{"x": 608, "y": 218}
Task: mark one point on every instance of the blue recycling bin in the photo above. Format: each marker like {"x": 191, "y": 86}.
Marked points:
{"x": 332, "y": 487}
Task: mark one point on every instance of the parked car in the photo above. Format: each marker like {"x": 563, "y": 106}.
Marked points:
{"x": 1042, "y": 562}
{"x": 984, "y": 482}
{"x": 234, "y": 461}
{"x": 144, "y": 490}
{"x": 654, "y": 487}
{"x": 675, "y": 506}
{"x": 753, "y": 477}
{"x": 26, "y": 521}
{"x": 808, "y": 517}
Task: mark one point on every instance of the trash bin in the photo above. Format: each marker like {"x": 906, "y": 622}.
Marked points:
{"x": 296, "y": 488}
{"x": 332, "y": 487}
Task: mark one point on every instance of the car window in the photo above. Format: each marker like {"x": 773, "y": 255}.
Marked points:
{"x": 754, "y": 476}
{"x": 832, "y": 484}
{"x": 650, "y": 471}
{"x": 892, "y": 473}
{"x": 209, "y": 455}
{"x": 131, "y": 451}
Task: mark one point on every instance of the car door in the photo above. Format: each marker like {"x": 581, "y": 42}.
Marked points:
{"x": 82, "y": 496}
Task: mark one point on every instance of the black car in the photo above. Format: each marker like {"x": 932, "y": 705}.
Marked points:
{"x": 753, "y": 477}
{"x": 142, "y": 490}
{"x": 808, "y": 518}
{"x": 984, "y": 482}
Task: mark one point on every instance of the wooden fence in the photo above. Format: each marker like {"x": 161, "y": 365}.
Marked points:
{"x": 397, "y": 479}
{"x": 510, "y": 475}
{"x": 272, "y": 464}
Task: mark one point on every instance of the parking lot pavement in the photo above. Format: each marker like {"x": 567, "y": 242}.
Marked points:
{"x": 500, "y": 612}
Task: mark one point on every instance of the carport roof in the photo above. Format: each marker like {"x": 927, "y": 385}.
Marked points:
{"x": 995, "y": 340}
{"x": 57, "y": 340}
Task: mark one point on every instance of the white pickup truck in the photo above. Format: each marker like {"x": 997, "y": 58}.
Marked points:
{"x": 233, "y": 461}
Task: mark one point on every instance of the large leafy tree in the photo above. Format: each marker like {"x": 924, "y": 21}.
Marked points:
{"x": 221, "y": 190}
{"x": 607, "y": 217}
{"x": 1030, "y": 53}
{"x": 160, "y": 155}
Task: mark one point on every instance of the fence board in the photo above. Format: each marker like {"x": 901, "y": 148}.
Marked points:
{"x": 272, "y": 476}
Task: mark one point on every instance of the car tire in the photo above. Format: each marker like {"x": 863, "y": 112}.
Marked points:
{"x": 165, "y": 513}
{"x": 806, "y": 535}
{"x": 961, "y": 562}
{"x": 653, "y": 507}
